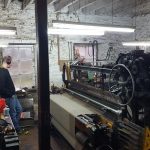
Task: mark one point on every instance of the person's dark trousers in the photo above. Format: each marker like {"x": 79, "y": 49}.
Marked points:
{"x": 15, "y": 110}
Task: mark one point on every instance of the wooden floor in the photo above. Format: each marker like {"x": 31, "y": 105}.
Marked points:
{"x": 29, "y": 140}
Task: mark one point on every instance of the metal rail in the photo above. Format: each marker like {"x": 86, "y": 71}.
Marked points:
{"x": 118, "y": 112}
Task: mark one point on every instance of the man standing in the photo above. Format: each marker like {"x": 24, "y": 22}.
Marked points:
{"x": 7, "y": 91}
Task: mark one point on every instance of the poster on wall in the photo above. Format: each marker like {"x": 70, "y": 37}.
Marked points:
{"x": 84, "y": 52}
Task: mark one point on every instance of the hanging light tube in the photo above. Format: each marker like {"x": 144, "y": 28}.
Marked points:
{"x": 55, "y": 31}
{"x": 137, "y": 43}
{"x": 3, "y": 45}
{"x": 89, "y": 26}
{"x": 7, "y": 30}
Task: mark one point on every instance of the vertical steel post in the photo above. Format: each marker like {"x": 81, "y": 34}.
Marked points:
{"x": 43, "y": 74}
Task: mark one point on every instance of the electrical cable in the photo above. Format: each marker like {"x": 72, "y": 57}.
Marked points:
{"x": 95, "y": 43}
{"x": 107, "y": 55}
{"x": 135, "y": 3}
{"x": 112, "y": 12}
{"x": 75, "y": 12}
{"x": 71, "y": 45}
{"x": 69, "y": 50}
{"x": 51, "y": 45}
{"x": 90, "y": 43}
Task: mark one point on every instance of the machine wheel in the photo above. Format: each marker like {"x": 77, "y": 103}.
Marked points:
{"x": 121, "y": 83}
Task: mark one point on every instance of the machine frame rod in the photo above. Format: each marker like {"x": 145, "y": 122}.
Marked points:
{"x": 89, "y": 68}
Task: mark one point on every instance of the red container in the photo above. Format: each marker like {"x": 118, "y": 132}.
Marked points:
{"x": 2, "y": 104}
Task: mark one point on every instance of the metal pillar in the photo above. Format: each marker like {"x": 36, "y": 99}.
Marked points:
{"x": 43, "y": 74}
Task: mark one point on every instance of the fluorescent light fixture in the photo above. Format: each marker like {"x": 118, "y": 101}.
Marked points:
{"x": 3, "y": 45}
{"x": 22, "y": 44}
{"x": 74, "y": 32}
{"x": 90, "y": 26}
{"x": 137, "y": 43}
{"x": 7, "y": 30}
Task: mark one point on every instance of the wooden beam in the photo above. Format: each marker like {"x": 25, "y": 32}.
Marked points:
{"x": 7, "y": 3}
{"x": 80, "y": 4}
{"x": 25, "y": 3}
{"x": 62, "y": 3}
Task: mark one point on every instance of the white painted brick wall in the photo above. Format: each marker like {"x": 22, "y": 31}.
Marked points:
{"x": 106, "y": 39}
{"x": 142, "y": 33}
{"x": 25, "y": 23}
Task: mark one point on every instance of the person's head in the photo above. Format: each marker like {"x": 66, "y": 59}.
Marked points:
{"x": 6, "y": 61}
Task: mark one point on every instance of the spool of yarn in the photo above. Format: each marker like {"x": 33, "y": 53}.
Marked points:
{"x": 2, "y": 104}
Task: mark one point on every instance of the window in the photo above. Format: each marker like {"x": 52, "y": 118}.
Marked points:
{"x": 22, "y": 69}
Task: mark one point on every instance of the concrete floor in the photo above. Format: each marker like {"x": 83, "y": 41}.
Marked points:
{"x": 29, "y": 140}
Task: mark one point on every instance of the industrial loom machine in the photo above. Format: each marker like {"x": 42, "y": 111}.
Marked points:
{"x": 115, "y": 101}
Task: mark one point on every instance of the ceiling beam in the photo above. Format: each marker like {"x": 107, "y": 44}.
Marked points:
{"x": 79, "y": 5}
{"x": 62, "y": 3}
{"x": 95, "y": 5}
{"x": 142, "y": 8}
{"x": 7, "y": 3}
{"x": 121, "y": 8}
{"x": 127, "y": 8}
{"x": 25, "y": 3}
{"x": 51, "y": 1}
